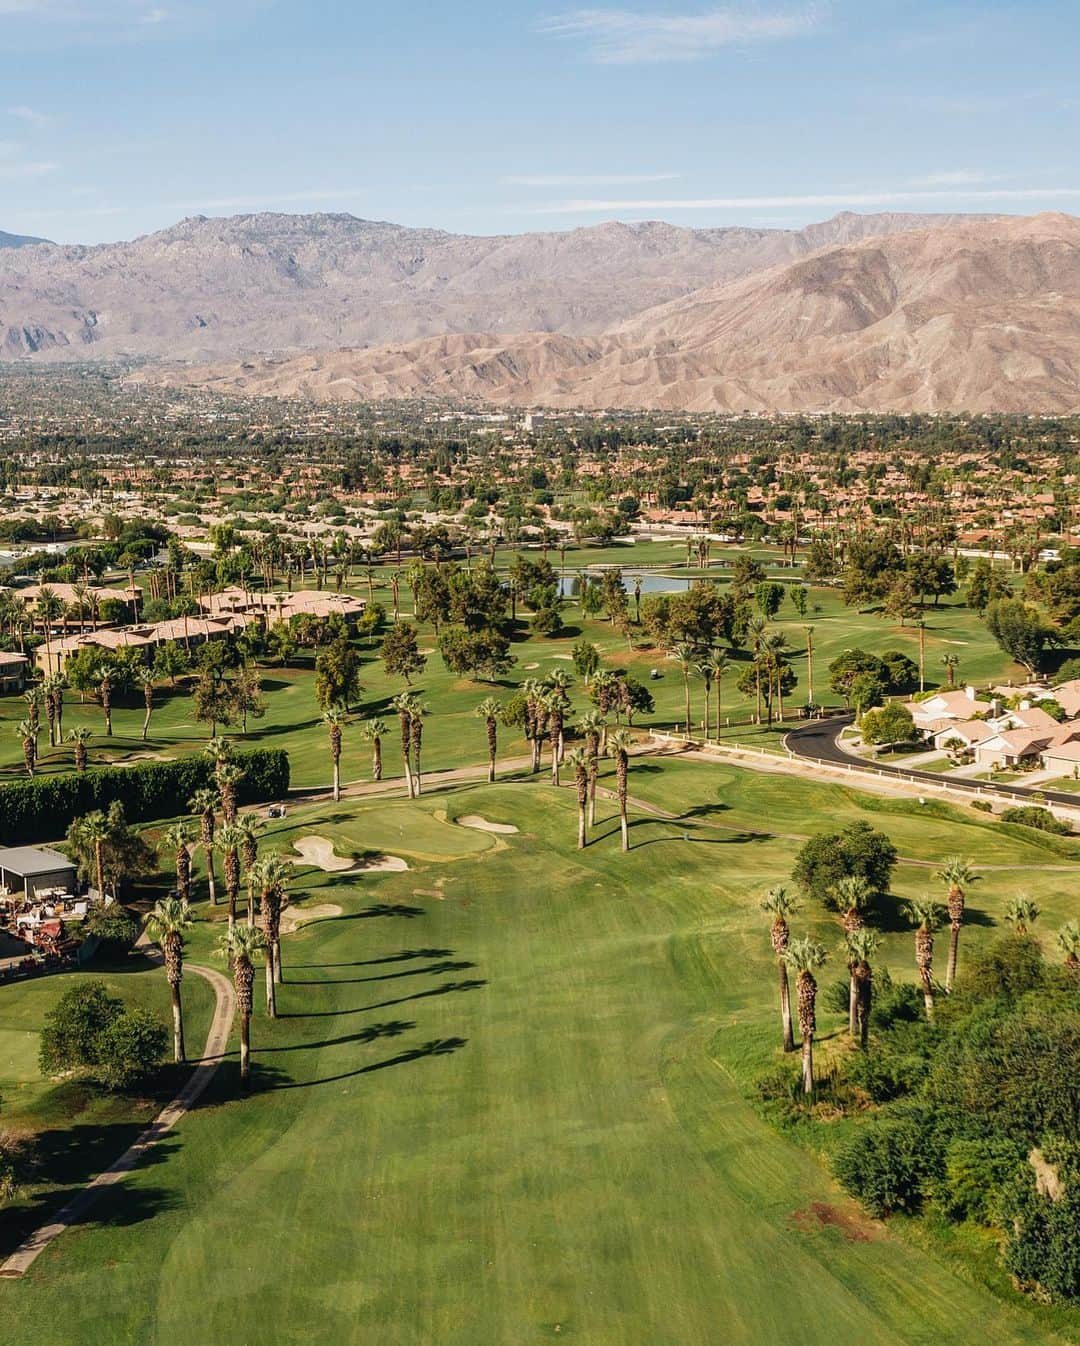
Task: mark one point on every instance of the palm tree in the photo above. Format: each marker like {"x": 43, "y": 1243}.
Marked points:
{"x": 803, "y": 956}
{"x": 925, "y": 916}
{"x": 204, "y": 802}
{"x": 229, "y": 840}
{"x": 809, "y": 630}
{"x": 951, "y": 662}
{"x": 958, "y": 876}
{"x": 53, "y": 696}
{"x": 579, "y": 759}
{"x": 861, "y": 945}
{"x": 403, "y": 703}
{"x": 228, "y": 776}
{"x": 334, "y": 718}
{"x": 105, "y": 677}
{"x": 1022, "y": 913}
{"x": 95, "y": 832}
{"x": 79, "y": 738}
{"x": 852, "y": 895}
{"x": 1068, "y": 938}
{"x": 270, "y": 874}
{"x": 28, "y": 734}
{"x": 374, "y": 731}
{"x": 146, "y": 682}
{"x": 240, "y": 945}
{"x": 684, "y": 655}
{"x": 712, "y": 668}
{"x": 552, "y": 706}
{"x": 780, "y": 904}
{"x": 166, "y": 925}
{"x": 593, "y": 725}
{"x": 618, "y": 746}
{"x": 488, "y": 710}
{"x": 559, "y": 682}
{"x": 416, "y": 738}
{"x": 178, "y": 839}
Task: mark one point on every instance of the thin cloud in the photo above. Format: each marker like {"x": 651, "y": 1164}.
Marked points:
{"x": 837, "y": 199}
{"x": 30, "y": 115}
{"x": 959, "y": 178}
{"x": 623, "y": 37}
{"x": 587, "y": 179}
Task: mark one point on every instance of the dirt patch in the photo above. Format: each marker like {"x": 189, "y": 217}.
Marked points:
{"x": 319, "y": 851}
{"x": 292, "y": 918}
{"x": 479, "y": 824}
{"x": 852, "y": 1226}
{"x": 1047, "y": 1177}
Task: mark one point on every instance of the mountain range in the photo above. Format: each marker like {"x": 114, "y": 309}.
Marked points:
{"x": 879, "y": 312}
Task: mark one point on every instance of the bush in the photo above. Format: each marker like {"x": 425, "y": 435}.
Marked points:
{"x": 975, "y": 1172}
{"x": 829, "y": 856}
{"x": 885, "y": 1165}
{"x": 130, "y": 1049}
{"x": 982, "y": 805}
{"x": 113, "y": 925}
{"x": 1042, "y": 1232}
{"x": 885, "y": 1075}
{"x": 1043, "y": 819}
{"x": 42, "y": 807}
{"x": 91, "y": 1031}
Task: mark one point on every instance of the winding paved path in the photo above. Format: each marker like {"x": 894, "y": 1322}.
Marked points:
{"x": 76, "y": 1209}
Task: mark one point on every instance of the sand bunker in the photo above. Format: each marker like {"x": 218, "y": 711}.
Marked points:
{"x": 568, "y": 657}
{"x": 482, "y": 825}
{"x": 319, "y": 851}
{"x": 383, "y": 864}
{"x": 530, "y": 666}
{"x": 141, "y": 757}
{"x": 292, "y": 918}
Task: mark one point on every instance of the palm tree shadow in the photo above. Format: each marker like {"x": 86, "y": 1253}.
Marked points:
{"x": 436, "y": 1047}
{"x": 390, "y": 958}
{"x": 446, "y": 966}
{"x": 445, "y": 989}
{"x": 371, "y": 1033}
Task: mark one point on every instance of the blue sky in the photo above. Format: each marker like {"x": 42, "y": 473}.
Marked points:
{"x": 118, "y": 117}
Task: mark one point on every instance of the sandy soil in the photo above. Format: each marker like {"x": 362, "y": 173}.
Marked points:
{"x": 319, "y": 851}
{"x": 383, "y": 864}
{"x": 292, "y": 918}
{"x": 479, "y": 824}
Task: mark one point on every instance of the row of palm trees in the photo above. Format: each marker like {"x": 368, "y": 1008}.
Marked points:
{"x": 243, "y": 944}
{"x": 804, "y": 956}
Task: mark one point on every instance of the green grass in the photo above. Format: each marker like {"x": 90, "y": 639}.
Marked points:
{"x": 520, "y": 1112}
{"x": 454, "y": 737}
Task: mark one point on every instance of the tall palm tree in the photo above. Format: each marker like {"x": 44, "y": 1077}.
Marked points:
{"x": 593, "y": 725}
{"x": 227, "y": 776}
{"x": 28, "y": 735}
{"x": 79, "y": 737}
{"x": 958, "y": 876}
{"x": 559, "y": 682}
{"x": 1068, "y": 938}
{"x": 416, "y": 739}
{"x": 204, "y": 802}
{"x": 334, "y": 717}
{"x": 105, "y": 677}
{"x": 809, "y": 632}
{"x": 240, "y": 946}
{"x": 166, "y": 925}
{"x": 852, "y": 895}
{"x": 146, "y": 682}
{"x": 781, "y": 904}
{"x": 925, "y": 916}
{"x": 488, "y": 710}
{"x": 803, "y": 956}
{"x": 684, "y": 654}
{"x": 374, "y": 731}
{"x": 861, "y": 946}
{"x": 270, "y": 874}
{"x": 177, "y": 840}
{"x": 95, "y": 833}
{"x": 951, "y": 662}
{"x": 618, "y": 745}
{"x": 579, "y": 759}
{"x": 403, "y": 703}
{"x": 229, "y": 840}
{"x": 712, "y": 669}
{"x": 1022, "y": 913}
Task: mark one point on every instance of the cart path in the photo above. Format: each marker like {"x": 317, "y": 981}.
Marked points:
{"x": 75, "y": 1211}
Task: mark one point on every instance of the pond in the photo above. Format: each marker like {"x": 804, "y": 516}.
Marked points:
{"x": 570, "y": 585}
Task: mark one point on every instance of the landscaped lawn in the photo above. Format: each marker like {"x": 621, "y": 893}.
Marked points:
{"x": 453, "y": 735}
{"x": 508, "y": 1099}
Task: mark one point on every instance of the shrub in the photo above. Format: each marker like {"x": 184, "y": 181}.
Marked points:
{"x": 1042, "y": 1232}
{"x": 829, "y": 856}
{"x": 975, "y": 1172}
{"x": 885, "y": 1165}
{"x": 113, "y": 925}
{"x": 1030, "y": 816}
{"x": 42, "y": 807}
{"x": 91, "y": 1031}
{"x": 885, "y": 1075}
{"x": 983, "y": 805}
{"x": 130, "y": 1049}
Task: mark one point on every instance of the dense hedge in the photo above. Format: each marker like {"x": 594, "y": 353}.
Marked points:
{"x": 40, "y": 809}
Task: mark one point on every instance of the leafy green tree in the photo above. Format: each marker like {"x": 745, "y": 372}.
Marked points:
{"x": 856, "y": 849}
{"x": 401, "y": 653}
{"x": 1019, "y": 631}
{"x": 481, "y": 655}
{"x": 890, "y": 724}
{"x": 337, "y": 675}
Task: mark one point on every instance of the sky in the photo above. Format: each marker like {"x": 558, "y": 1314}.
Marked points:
{"x": 120, "y": 117}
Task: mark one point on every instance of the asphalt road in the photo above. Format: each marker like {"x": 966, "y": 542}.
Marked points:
{"x": 817, "y": 743}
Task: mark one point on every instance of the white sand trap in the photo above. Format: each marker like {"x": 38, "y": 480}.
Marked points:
{"x": 482, "y": 825}
{"x": 319, "y": 851}
{"x": 530, "y": 666}
{"x": 292, "y": 918}
{"x": 142, "y": 757}
{"x": 568, "y": 657}
{"x": 383, "y": 864}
